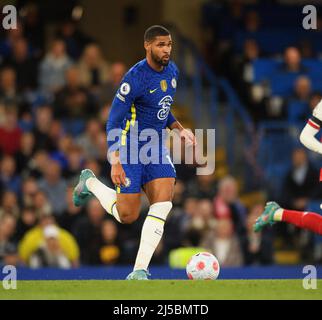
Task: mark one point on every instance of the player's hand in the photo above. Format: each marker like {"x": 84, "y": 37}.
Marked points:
{"x": 118, "y": 175}
{"x": 189, "y": 137}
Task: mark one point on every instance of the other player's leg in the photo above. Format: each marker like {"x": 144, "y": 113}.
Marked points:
{"x": 274, "y": 213}
{"x": 159, "y": 193}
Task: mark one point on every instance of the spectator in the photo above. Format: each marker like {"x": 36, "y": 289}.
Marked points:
{"x": 65, "y": 143}
{"x": 107, "y": 90}
{"x": 252, "y": 22}
{"x": 300, "y": 182}
{"x": 75, "y": 40}
{"x": 102, "y": 150}
{"x": 26, "y": 221}
{"x": 50, "y": 253}
{"x": 34, "y": 28}
{"x": 73, "y": 100}
{"x": 25, "y": 152}
{"x": 293, "y": 61}
{"x": 260, "y": 244}
{"x": 110, "y": 249}
{"x": 57, "y": 130}
{"x": 250, "y": 54}
{"x": 314, "y": 100}
{"x": 241, "y": 75}
{"x": 69, "y": 218}
{"x": 302, "y": 89}
{"x": 53, "y": 67}
{"x": 200, "y": 219}
{"x": 227, "y": 203}
{"x": 179, "y": 193}
{"x": 104, "y": 113}
{"x": 43, "y": 122}
{"x": 12, "y": 35}
{"x": 26, "y": 68}
{"x": 224, "y": 243}
{"x": 8, "y": 177}
{"x": 306, "y": 49}
{"x": 36, "y": 166}
{"x": 54, "y": 186}
{"x": 9, "y": 204}
{"x": 202, "y": 187}
{"x": 94, "y": 70}
{"x": 9, "y": 93}
{"x": 36, "y": 237}
{"x": 10, "y": 133}
{"x": 228, "y": 206}
{"x": 8, "y": 250}
{"x": 88, "y": 140}
{"x": 29, "y": 191}
{"x": 42, "y": 204}
{"x": 88, "y": 233}
{"x": 99, "y": 172}
{"x": 75, "y": 163}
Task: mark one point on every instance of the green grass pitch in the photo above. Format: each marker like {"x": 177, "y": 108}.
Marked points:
{"x": 161, "y": 290}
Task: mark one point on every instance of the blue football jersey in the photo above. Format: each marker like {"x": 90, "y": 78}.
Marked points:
{"x": 144, "y": 98}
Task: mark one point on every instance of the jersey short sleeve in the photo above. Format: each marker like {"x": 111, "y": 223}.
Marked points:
{"x": 125, "y": 96}
{"x": 128, "y": 90}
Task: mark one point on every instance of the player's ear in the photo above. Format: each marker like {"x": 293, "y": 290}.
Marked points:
{"x": 147, "y": 45}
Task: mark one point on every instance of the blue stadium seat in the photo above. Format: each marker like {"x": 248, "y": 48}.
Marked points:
{"x": 264, "y": 68}
{"x": 282, "y": 83}
{"x": 313, "y": 65}
{"x": 274, "y": 155}
{"x": 297, "y": 110}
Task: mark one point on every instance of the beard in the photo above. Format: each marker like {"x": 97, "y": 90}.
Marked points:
{"x": 158, "y": 60}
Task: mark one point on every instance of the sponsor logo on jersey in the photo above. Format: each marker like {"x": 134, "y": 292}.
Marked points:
{"x": 164, "y": 85}
{"x": 125, "y": 88}
{"x": 165, "y": 104}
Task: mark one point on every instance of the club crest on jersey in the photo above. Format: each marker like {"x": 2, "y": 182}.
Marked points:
{"x": 127, "y": 182}
{"x": 165, "y": 104}
{"x": 125, "y": 88}
{"x": 164, "y": 85}
{"x": 174, "y": 83}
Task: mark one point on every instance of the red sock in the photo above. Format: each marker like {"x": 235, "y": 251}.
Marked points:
{"x": 305, "y": 220}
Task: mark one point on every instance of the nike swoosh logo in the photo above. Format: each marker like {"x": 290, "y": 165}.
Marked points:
{"x": 151, "y": 91}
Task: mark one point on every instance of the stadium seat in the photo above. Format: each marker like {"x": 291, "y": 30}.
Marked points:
{"x": 297, "y": 111}
{"x": 282, "y": 83}
{"x": 264, "y": 68}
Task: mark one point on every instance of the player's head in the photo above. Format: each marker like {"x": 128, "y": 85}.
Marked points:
{"x": 158, "y": 44}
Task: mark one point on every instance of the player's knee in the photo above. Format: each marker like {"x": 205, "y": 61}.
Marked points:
{"x": 128, "y": 216}
{"x": 128, "y": 219}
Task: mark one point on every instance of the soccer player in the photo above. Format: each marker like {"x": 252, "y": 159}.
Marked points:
{"x": 142, "y": 101}
{"x": 306, "y": 220}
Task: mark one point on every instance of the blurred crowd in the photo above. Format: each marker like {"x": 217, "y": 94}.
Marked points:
{"x": 272, "y": 62}
{"x": 275, "y": 67}
{"x": 54, "y": 102}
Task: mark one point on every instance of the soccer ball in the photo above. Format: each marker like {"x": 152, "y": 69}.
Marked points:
{"x": 203, "y": 266}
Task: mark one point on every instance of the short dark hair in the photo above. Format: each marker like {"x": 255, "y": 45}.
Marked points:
{"x": 155, "y": 31}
